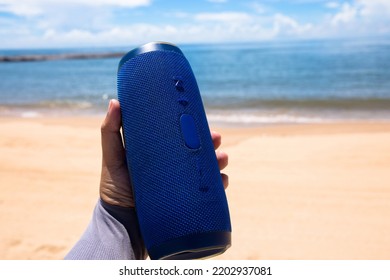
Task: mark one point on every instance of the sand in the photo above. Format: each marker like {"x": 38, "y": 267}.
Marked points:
{"x": 318, "y": 191}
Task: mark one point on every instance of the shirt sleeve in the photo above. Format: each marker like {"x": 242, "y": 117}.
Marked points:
{"x": 106, "y": 238}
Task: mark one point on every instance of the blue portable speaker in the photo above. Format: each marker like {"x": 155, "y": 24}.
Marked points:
{"x": 179, "y": 196}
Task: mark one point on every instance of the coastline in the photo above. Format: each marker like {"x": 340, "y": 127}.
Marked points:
{"x": 297, "y": 191}
{"x": 45, "y": 57}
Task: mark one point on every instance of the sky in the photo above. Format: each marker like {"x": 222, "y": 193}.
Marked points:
{"x": 102, "y": 23}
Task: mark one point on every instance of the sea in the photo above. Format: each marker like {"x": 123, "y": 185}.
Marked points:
{"x": 241, "y": 84}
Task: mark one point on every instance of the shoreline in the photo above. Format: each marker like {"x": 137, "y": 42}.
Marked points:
{"x": 237, "y": 119}
{"x": 297, "y": 191}
{"x": 60, "y": 56}
{"x": 278, "y": 129}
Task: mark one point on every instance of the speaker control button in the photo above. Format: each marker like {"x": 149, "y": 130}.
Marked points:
{"x": 183, "y": 101}
{"x": 178, "y": 80}
{"x": 189, "y": 131}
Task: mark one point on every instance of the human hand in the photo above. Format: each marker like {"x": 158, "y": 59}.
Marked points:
{"x": 115, "y": 186}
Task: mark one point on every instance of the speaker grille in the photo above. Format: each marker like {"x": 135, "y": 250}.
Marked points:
{"x": 178, "y": 191}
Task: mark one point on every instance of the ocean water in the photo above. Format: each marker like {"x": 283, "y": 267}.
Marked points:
{"x": 283, "y": 82}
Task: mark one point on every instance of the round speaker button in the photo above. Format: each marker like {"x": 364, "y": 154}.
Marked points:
{"x": 189, "y": 131}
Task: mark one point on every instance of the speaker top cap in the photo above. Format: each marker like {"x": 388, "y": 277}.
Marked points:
{"x": 149, "y": 47}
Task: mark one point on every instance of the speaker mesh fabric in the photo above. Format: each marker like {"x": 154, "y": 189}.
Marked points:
{"x": 178, "y": 191}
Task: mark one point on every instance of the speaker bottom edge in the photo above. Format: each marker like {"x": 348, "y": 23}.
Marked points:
{"x": 194, "y": 246}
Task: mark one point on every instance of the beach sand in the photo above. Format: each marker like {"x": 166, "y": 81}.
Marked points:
{"x": 316, "y": 191}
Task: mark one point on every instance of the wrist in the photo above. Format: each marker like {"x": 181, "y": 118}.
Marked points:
{"x": 128, "y": 218}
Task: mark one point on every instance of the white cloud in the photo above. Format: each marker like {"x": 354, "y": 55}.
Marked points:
{"x": 374, "y": 8}
{"x": 223, "y": 17}
{"x": 332, "y": 5}
{"x": 119, "y": 3}
{"x": 37, "y": 7}
{"x": 122, "y": 3}
{"x": 20, "y": 9}
{"x": 258, "y": 7}
{"x": 127, "y": 35}
{"x": 136, "y": 34}
{"x": 89, "y": 23}
{"x": 347, "y": 14}
{"x": 360, "y": 18}
{"x": 284, "y": 25}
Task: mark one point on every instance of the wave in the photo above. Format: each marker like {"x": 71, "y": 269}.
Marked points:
{"x": 250, "y": 118}
{"x": 51, "y": 108}
{"x": 300, "y": 104}
{"x": 286, "y": 112}
{"x": 262, "y": 119}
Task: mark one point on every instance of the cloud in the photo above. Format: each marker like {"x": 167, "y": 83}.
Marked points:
{"x": 223, "y": 17}
{"x": 363, "y": 17}
{"x": 284, "y": 25}
{"x": 20, "y": 9}
{"x": 38, "y": 7}
{"x": 117, "y": 36}
{"x": 373, "y": 8}
{"x": 332, "y": 5}
{"x": 258, "y": 7}
{"x": 347, "y": 14}
{"x": 118, "y": 3}
{"x": 134, "y": 34}
{"x": 49, "y": 23}
{"x": 121, "y": 3}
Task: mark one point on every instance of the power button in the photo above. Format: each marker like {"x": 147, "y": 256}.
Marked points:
{"x": 189, "y": 131}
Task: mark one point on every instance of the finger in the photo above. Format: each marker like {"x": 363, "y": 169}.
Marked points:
{"x": 112, "y": 145}
{"x": 225, "y": 180}
{"x": 223, "y": 159}
{"x": 216, "y": 137}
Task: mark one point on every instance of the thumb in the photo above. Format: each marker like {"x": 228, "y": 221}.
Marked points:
{"x": 112, "y": 145}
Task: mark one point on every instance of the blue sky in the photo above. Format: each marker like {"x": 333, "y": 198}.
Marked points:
{"x": 95, "y": 23}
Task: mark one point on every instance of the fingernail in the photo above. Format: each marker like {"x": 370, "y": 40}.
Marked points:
{"x": 109, "y": 105}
